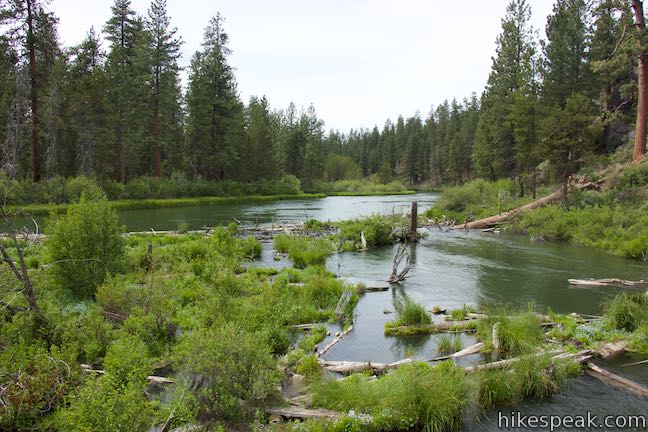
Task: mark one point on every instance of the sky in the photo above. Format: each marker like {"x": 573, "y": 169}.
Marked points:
{"x": 359, "y": 62}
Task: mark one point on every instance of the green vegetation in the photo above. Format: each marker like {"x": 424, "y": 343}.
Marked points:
{"x": 448, "y": 344}
{"x": 85, "y": 245}
{"x": 377, "y": 230}
{"x": 361, "y": 188}
{"x": 413, "y": 396}
{"x": 304, "y": 251}
{"x": 516, "y": 335}
{"x": 410, "y": 313}
{"x": 627, "y": 312}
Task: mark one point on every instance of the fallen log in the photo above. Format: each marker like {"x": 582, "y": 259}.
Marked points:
{"x": 609, "y": 282}
{"x": 616, "y": 380}
{"x": 304, "y": 326}
{"x": 504, "y": 217}
{"x": 440, "y": 327}
{"x": 612, "y": 349}
{"x": 472, "y": 349}
{"x": 153, "y": 379}
{"x": 351, "y": 367}
{"x": 635, "y": 363}
{"x": 500, "y": 364}
{"x": 294, "y": 412}
{"x": 335, "y": 340}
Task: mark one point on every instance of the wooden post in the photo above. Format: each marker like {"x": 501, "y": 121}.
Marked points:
{"x": 414, "y": 221}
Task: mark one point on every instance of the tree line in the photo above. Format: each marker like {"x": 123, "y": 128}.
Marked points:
{"x": 121, "y": 113}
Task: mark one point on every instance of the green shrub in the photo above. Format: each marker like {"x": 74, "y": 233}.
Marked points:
{"x": 85, "y": 245}
{"x": 75, "y": 187}
{"x": 238, "y": 366}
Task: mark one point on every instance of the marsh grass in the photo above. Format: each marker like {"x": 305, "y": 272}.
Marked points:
{"x": 415, "y": 396}
{"x": 304, "y": 251}
{"x": 410, "y": 313}
{"x": 517, "y": 335}
{"x": 448, "y": 344}
{"x": 627, "y": 311}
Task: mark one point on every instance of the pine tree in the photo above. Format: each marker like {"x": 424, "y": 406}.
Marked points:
{"x": 214, "y": 112}
{"x": 165, "y": 51}
{"x": 511, "y": 75}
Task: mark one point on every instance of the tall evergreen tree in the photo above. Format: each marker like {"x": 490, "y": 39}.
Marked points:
{"x": 165, "y": 51}
{"x": 214, "y": 112}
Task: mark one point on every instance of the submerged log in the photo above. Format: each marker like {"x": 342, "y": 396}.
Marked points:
{"x": 616, "y": 380}
{"x": 335, "y": 340}
{"x": 635, "y": 363}
{"x": 440, "y": 327}
{"x": 294, "y": 412}
{"x": 609, "y": 282}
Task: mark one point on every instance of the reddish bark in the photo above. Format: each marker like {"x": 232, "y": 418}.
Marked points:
{"x": 642, "y": 72}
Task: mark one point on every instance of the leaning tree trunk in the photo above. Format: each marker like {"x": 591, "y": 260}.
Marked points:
{"x": 642, "y": 72}
{"x": 31, "y": 48}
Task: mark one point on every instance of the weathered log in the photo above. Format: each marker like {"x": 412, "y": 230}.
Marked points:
{"x": 612, "y": 349}
{"x": 609, "y": 282}
{"x": 472, "y": 349}
{"x": 304, "y": 326}
{"x": 508, "y": 362}
{"x": 635, "y": 363}
{"x": 616, "y": 380}
{"x": 350, "y": 367}
{"x": 335, "y": 340}
{"x": 440, "y": 327}
{"x": 153, "y": 379}
{"x": 294, "y": 412}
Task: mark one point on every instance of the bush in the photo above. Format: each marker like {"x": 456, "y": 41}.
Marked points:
{"x": 75, "y": 187}
{"x": 238, "y": 367}
{"x": 85, "y": 245}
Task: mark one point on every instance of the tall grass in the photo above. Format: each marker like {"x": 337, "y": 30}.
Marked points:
{"x": 304, "y": 251}
{"x": 410, "y": 313}
{"x": 415, "y": 396}
{"x": 627, "y": 311}
{"x": 448, "y": 344}
{"x": 378, "y": 231}
{"x": 516, "y": 335}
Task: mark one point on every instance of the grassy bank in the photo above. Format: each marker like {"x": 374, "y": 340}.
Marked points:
{"x": 360, "y": 188}
{"x": 132, "y": 204}
{"x": 614, "y": 218}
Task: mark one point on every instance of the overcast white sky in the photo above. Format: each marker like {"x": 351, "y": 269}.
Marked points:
{"x": 358, "y": 61}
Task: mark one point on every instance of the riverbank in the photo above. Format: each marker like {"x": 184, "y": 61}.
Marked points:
{"x": 132, "y": 204}
{"x": 612, "y": 217}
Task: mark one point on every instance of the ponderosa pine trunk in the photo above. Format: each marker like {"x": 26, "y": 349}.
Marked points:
{"x": 33, "y": 69}
{"x": 642, "y": 72}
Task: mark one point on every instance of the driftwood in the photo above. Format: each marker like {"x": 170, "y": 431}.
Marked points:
{"x": 635, "y": 363}
{"x": 304, "y": 326}
{"x": 294, "y": 412}
{"x": 501, "y": 364}
{"x": 472, "y": 349}
{"x": 335, "y": 340}
{"x": 615, "y": 380}
{"x": 397, "y": 275}
{"x": 609, "y": 282}
{"x": 343, "y": 302}
{"x": 350, "y": 367}
{"x": 612, "y": 349}
{"x": 153, "y": 379}
{"x": 440, "y": 327}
